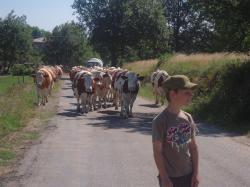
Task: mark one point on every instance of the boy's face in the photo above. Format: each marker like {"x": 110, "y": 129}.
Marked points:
{"x": 182, "y": 97}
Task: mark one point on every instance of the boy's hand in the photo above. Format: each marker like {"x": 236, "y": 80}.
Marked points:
{"x": 166, "y": 182}
{"x": 195, "y": 181}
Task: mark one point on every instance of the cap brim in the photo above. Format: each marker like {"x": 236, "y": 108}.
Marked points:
{"x": 191, "y": 85}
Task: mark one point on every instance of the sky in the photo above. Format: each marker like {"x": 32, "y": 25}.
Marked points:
{"x": 46, "y": 14}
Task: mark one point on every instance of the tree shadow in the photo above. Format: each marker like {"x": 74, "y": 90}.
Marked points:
{"x": 151, "y": 105}
{"x": 210, "y": 130}
{"x": 141, "y": 122}
{"x": 67, "y": 96}
{"x": 69, "y": 113}
{"x": 65, "y": 78}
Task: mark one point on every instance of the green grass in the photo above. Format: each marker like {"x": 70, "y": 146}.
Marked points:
{"x": 5, "y": 157}
{"x": 18, "y": 101}
{"x": 31, "y": 135}
{"x": 7, "y": 82}
{"x": 146, "y": 91}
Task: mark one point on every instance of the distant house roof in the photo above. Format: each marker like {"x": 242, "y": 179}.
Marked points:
{"x": 39, "y": 40}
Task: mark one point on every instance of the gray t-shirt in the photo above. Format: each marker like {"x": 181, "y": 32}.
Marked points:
{"x": 175, "y": 132}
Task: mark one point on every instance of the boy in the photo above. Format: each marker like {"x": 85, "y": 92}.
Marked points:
{"x": 173, "y": 133}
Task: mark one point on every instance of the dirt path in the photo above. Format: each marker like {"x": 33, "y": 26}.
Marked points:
{"x": 102, "y": 150}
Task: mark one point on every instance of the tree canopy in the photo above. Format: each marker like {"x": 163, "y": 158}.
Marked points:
{"x": 67, "y": 45}
{"x": 15, "y": 41}
{"x": 118, "y": 27}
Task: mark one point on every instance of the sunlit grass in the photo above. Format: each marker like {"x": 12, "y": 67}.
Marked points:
{"x": 143, "y": 67}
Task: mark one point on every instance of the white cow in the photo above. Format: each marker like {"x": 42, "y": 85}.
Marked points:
{"x": 128, "y": 85}
{"x": 157, "y": 79}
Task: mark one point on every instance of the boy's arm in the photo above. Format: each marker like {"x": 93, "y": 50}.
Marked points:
{"x": 193, "y": 149}
{"x": 157, "y": 148}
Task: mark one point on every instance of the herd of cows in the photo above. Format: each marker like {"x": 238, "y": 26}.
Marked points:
{"x": 94, "y": 87}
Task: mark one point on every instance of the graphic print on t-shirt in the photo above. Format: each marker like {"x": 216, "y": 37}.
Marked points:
{"x": 180, "y": 134}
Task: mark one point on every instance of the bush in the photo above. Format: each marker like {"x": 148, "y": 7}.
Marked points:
{"x": 228, "y": 102}
{"x": 21, "y": 69}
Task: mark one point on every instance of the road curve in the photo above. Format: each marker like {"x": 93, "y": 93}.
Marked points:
{"x": 100, "y": 149}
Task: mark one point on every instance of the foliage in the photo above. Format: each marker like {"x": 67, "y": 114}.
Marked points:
{"x": 68, "y": 45}
{"x": 22, "y": 69}
{"x": 223, "y": 79}
{"x": 118, "y": 28}
{"x": 15, "y": 41}
{"x": 231, "y": 23}
{"x": 38, "y": 33}
{"x": 230, "y": 97}
{"x": 191, "y": 31}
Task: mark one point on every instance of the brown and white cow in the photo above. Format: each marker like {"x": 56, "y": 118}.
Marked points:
{"x": 157, "y": 79}
{"x": 83, "y": 90}
{"x": 128, "y": 85}
{"x": 102, "y": 88}
{"x": 43, "y": 81}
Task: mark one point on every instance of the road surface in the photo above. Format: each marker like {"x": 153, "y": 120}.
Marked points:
{"x": 100, "y": 149}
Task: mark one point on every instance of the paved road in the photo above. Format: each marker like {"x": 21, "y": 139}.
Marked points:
{"x": 102, "y": 150}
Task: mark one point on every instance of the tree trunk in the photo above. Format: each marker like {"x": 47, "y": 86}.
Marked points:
{"x": 114, "y": 58}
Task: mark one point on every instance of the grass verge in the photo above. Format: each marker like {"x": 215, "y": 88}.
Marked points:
{"x": 21, "y": 121}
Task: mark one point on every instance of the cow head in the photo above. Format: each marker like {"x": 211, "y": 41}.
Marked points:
{"x": 133, "y": 81}
{"x": 88, "y": 81}
{"x": 40, "y": 76}
{"x": 107, "y": 79}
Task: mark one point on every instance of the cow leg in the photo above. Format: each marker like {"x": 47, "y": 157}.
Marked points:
{"x": 78, "y": 103}
{"x": 99, "y": 101}
{"x": 131, "y": 105}
{"x": 125, "y": 105}
{"x": 116, "y": 100}
{"x": 105, "y": 101}
{"x": 156, "y": 99}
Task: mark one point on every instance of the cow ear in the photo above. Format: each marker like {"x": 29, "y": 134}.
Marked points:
{"x": 124, "y": 77}
{"x": 96, "y": 79}
{"x": 140, "y": 78}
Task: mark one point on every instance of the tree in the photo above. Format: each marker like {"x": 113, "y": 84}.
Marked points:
{"x": 38, "y": 33}
{"x": 115, "y": 26}
{"x": 191, "y": 30}
{"x": 15, "y": 41}
{"x": 231, "y": 23}
{"x": 67, "y": 45}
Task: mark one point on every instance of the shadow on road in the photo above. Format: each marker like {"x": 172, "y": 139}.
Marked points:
{"x": 69, "y": 113}
{"x": 141, "y": 122}
{"x": 208, "y": 130}
{"x": 150, "y": 105}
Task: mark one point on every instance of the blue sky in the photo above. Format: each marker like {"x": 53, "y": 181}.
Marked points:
{"x": 45, "y": 14}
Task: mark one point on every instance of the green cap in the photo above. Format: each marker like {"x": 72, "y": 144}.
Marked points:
{"x": 177, "y": 82}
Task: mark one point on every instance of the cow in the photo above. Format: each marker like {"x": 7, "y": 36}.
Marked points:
{"x": 157, "y": 79}
{"x": 128, "y": 85}
{"x": 102, "y": 88}
{"x": 83, "y": 90}
{"x": 43, "y": 81}
{"x": 116, "y": 85}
